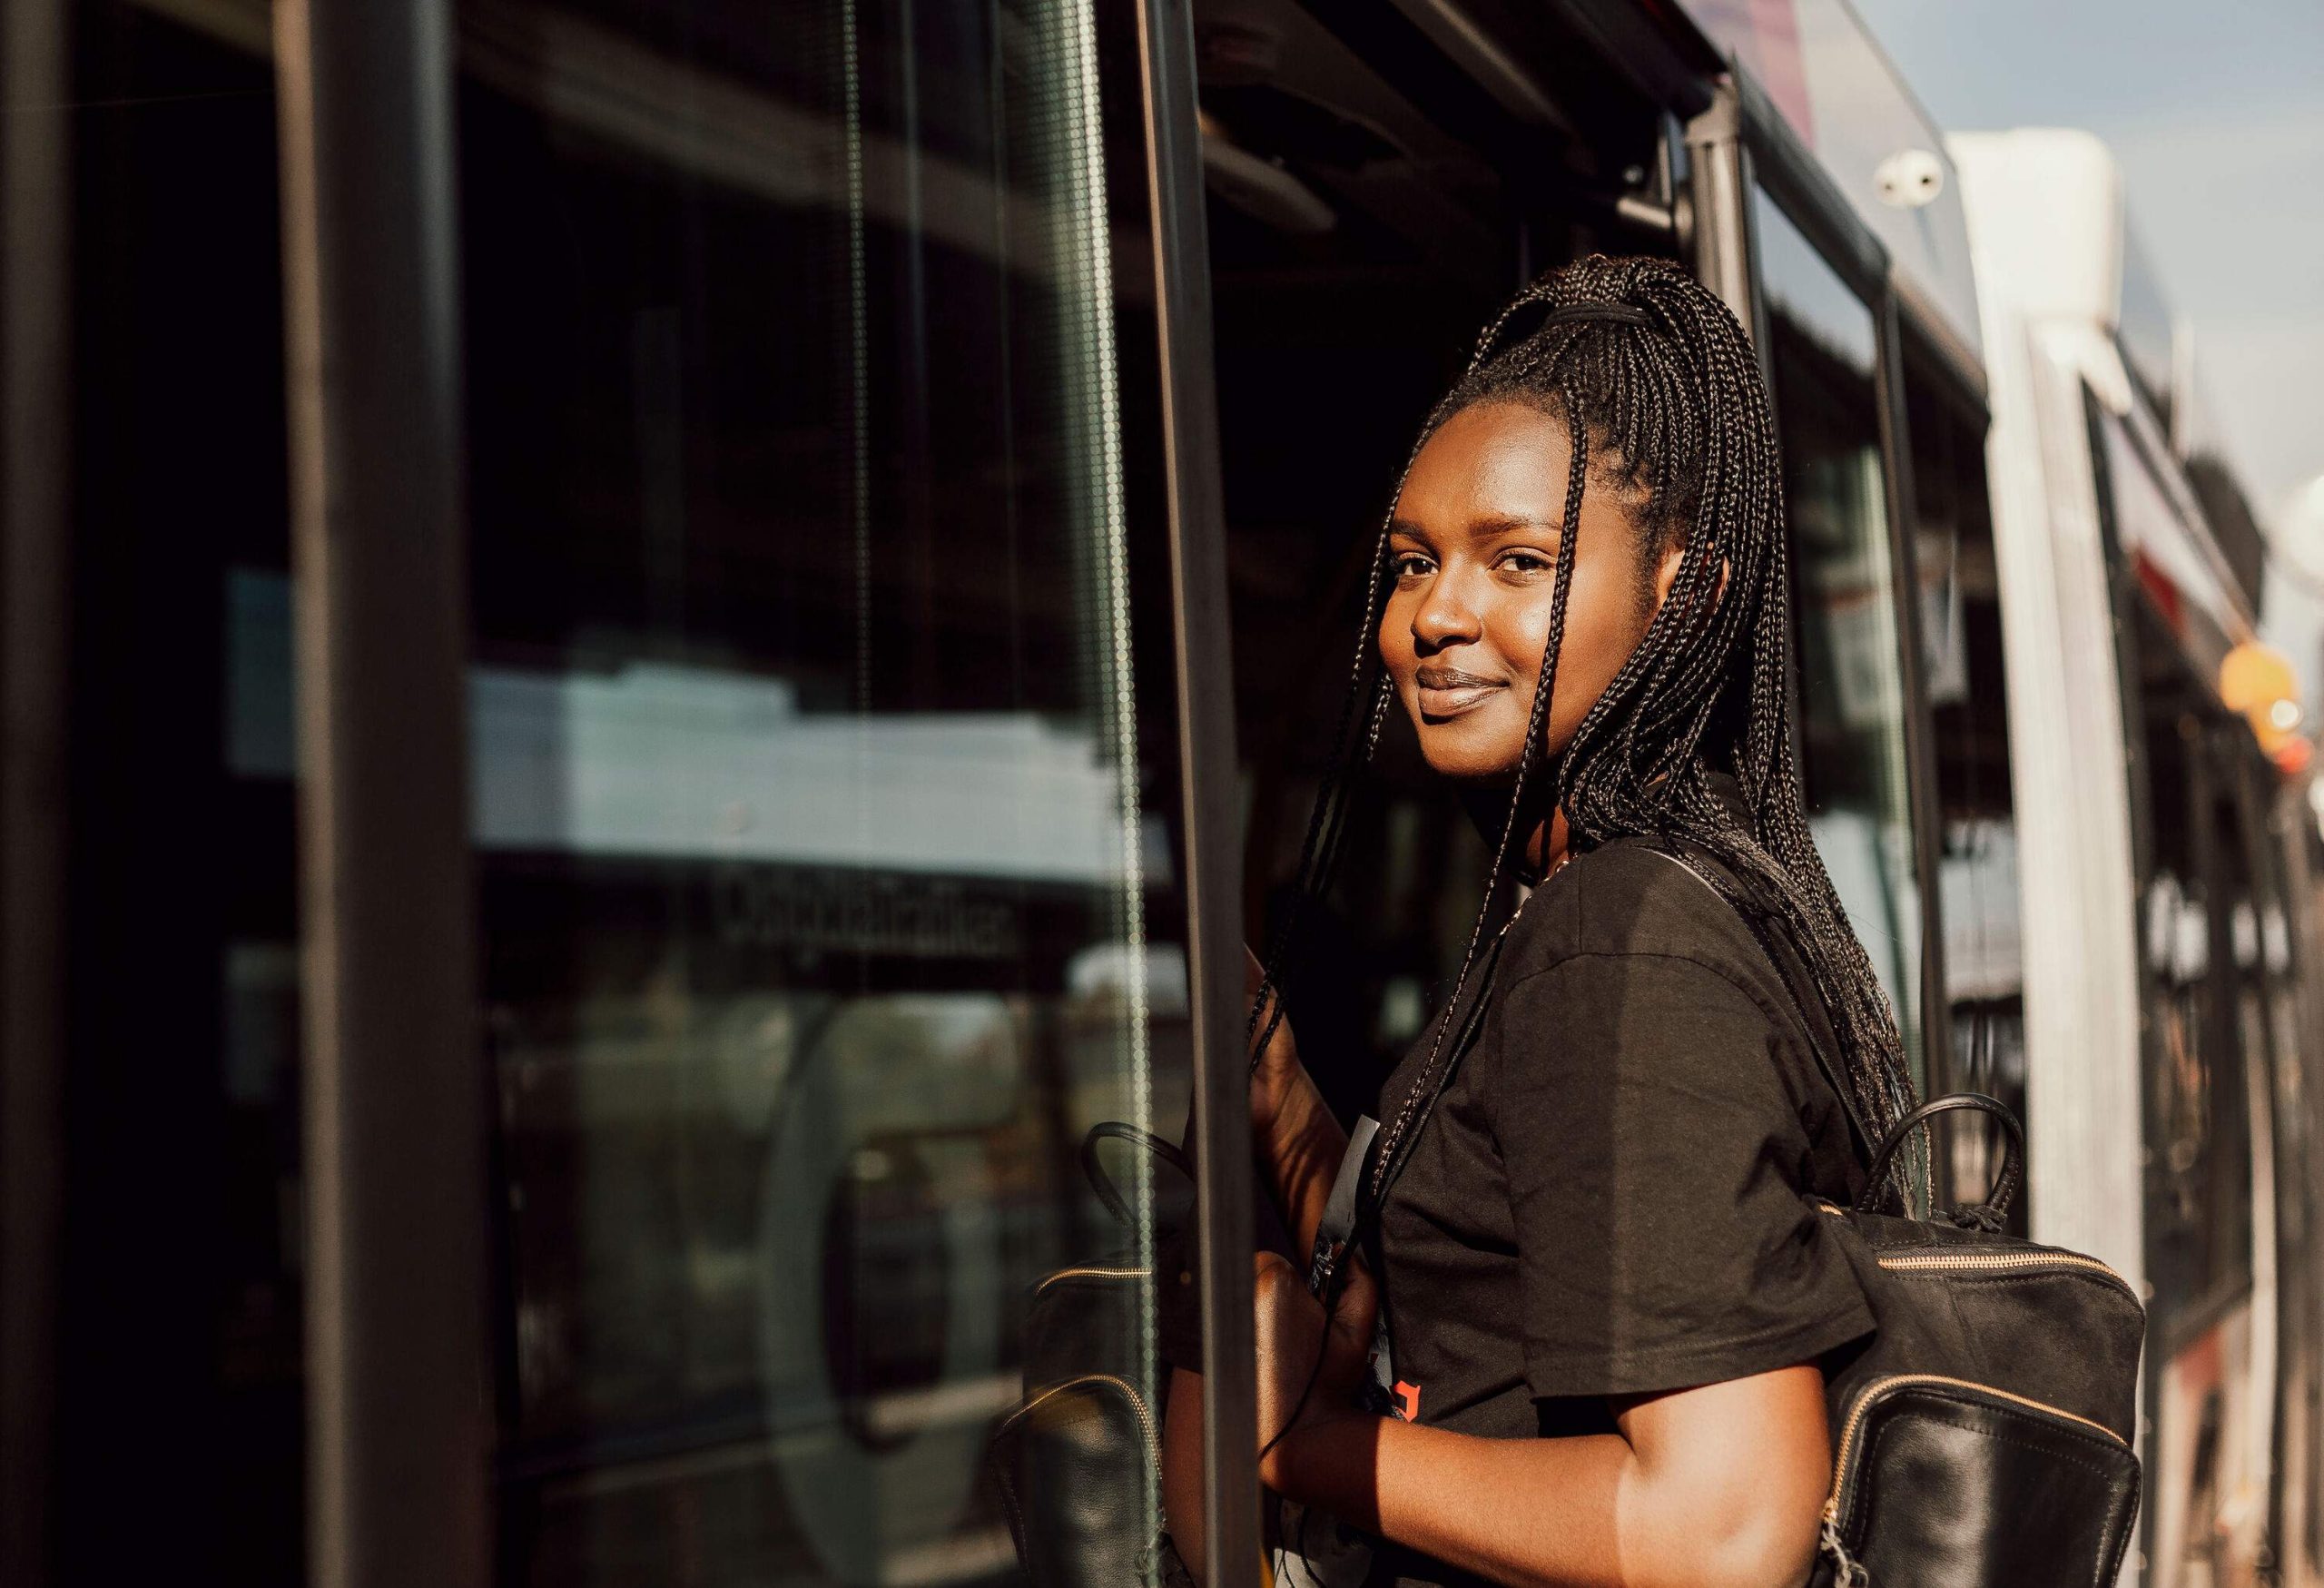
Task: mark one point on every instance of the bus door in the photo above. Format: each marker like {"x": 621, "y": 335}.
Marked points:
{"x": 1380, "y": 184}
{"x": 824, "y": 754}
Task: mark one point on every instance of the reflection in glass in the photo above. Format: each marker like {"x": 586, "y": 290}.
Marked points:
{"x": 2201, "y": 945}
{"x": 810, "y": 798}
{"x": 1823, "y": 346}
{"x": 1962, "y": 665}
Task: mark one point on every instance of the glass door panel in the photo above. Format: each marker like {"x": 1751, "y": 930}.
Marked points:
{"x": 1825, "y": 350}
{"x": 822, "y": 738}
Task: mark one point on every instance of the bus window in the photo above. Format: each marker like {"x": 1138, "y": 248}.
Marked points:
{"x": 1961, "y": 636}
{"x": 2287, "y": 942}
{"x": 821, "y": 733}
{"x": 2240, "y": 1081}
{"x": 2196, "y": 900}
{"x": 1824, "y": 350}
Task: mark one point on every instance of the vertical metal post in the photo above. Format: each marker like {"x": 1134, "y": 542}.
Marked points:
{"x": 1718, "y": 201}
{"x": 1206, "y": 759}
{"x": 35, "y": 543}
{"x": 1923, "y": 801}
{"x": 399, "y": 1415}
{"x": 1724, "y": 223}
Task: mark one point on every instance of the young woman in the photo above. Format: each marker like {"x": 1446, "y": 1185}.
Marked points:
{"x": 1605, "y": 1288}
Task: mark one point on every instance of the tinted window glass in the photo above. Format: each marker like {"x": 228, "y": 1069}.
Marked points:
{"x": 1824, "y": 348}
{"x": 175, "y": 1316}
{"x": 2198, "y": 927}
{"x": 817, "y": 747}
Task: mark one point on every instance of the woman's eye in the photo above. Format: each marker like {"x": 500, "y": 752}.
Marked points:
{"x": 1408, "y": 565}
{"x": 1526, "y": 562}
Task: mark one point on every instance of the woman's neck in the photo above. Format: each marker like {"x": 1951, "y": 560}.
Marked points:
{"x": 1547, "y": 847}
{"x": 1544, "y": 843}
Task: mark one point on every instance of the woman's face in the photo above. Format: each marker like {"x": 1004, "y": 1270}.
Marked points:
{"x": 1472, "y": 552}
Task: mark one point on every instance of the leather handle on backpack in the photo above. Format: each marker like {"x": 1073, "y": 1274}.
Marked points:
{"x": 2012, "y": 1161}
{"x": 1103, "y": 1183}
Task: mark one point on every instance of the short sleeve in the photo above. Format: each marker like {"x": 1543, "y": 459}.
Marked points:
{"x": 1657, "y": 1158}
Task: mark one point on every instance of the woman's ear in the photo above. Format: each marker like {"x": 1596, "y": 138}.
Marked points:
{"x": 1666, "y": 575}
{"x": 1666, "y": 572}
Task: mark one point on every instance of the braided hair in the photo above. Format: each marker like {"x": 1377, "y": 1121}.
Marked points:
{"x": 1659, "y": 390}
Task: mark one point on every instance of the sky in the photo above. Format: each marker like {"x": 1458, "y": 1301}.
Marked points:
{"x": 2215, "y": 109}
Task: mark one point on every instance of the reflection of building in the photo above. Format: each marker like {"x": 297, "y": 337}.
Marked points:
{"x": 576, "y": 1083}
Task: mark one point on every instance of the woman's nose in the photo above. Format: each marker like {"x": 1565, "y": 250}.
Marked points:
{"x": 1442, "y": 617}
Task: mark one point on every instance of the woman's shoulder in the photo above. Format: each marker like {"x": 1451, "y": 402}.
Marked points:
{"x": 1628, "y": 964}
{"x": 1628, "y": 899}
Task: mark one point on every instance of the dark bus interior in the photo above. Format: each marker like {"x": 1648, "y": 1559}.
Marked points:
{"x": 1374, "y": 200}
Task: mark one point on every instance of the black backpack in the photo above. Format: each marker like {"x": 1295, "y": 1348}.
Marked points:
{"x": 1984, "y": 1434}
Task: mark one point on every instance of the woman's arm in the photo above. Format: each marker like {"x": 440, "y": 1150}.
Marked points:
{"x": 1721, "y": 1485}
{"x": 1297, "y": 1144}
{"x": 1295, "y": 1141}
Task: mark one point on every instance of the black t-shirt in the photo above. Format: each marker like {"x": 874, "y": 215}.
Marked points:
{"x": 1610, "y": 1197}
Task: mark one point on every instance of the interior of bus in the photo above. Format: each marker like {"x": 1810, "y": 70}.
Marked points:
{"x": 1370, "y": 209}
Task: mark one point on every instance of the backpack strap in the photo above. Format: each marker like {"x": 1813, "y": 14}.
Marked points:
{"x": 1774, "y": 937}
{"x": 1775, "y": 942}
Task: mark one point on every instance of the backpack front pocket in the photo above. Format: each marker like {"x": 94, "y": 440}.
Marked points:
{"x": 1939, "y": 1483}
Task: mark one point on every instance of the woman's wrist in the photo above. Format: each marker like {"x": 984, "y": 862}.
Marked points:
{"x": 1300, "y": 1155}
{"x": 1329, "y": 1460}
{"x": 1301, "y": 1124}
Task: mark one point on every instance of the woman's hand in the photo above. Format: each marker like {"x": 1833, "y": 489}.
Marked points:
{"x": 1310, "y": 1368}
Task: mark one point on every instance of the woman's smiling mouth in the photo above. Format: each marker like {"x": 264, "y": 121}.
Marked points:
{"x": 1447, "y": 692}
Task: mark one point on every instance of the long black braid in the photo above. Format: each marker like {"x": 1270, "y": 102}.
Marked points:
{"x": 1655, "y": 381}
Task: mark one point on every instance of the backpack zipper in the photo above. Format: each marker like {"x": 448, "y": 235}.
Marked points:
{"x": 1997, "y": 1261}
{"x": 1970, "y": 1262}
{"x": 1136, "y": 1401}
{"x": 1092, "y": 1273}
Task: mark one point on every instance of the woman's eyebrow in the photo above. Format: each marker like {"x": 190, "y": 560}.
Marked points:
{"x": 1484, "y": 529}
{"x": 1495, "y": 525}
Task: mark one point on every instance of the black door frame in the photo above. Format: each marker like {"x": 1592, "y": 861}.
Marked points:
{"x": 1208, "y": 803}
{"x": 400, "y": 1416}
